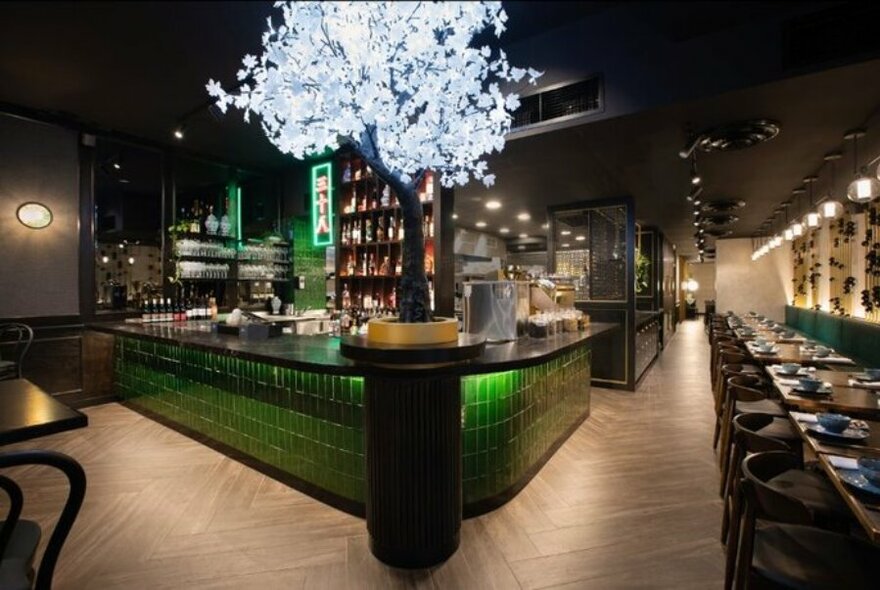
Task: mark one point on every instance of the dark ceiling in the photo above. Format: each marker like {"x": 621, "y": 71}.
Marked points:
{"x": 638, "y": 155}
{"x": 137, "y": 67}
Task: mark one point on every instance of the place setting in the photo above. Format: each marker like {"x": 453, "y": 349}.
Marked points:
{"x": 809, "y": 386}
{"x": 762, "y": 347}
{"x": 823, "y": 354}
{"x": 861, "y": 474}
{"x": 838, "y": 427}
{"x": 867, "y": 379}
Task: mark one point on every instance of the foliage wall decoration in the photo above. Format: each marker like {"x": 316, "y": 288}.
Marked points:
{"x": 800, "y": 274}
{"x": 870, "y": 295}
{"x": 841, "y": 281}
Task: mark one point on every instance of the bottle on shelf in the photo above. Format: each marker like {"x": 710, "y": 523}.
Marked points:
{"x": 431, "y": 292}
{"x": 188, "y": 310}
{"x": 352, "y": 204}
{"x": 195, "y": 225}
{"x": 368, "y": 230}
{"x": 386, "y": 196}
{"x": 343, "y": 234}
{"x": 346, "y": 173}
{"x": 145, "y": 311}
{"x": 364, "y": 265}
{"x": 380, "y": 229}
{"x": 374, "y": 202}
{"x": 392, "y": 228}
{"x": 346, "y": 296}
{"x": 371, "y": 268}
{"x": 385, "y": 267}
{"x": 212, "y": 308}
{"x": 398, "y": 268}
{"x": 364, "y": 206}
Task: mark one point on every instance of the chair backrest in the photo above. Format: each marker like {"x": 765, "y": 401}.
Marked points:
{"x": 745, "y": 433}
{"x": 727, "y": 355}
{"x": 743, "y": 388}
{"x": 18, "y": 337}
{"x": 76, "y": 479}
{"x": 770, "y": 504}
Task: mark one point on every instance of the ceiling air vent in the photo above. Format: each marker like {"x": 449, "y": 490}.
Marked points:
{"x": 560, "y": 102}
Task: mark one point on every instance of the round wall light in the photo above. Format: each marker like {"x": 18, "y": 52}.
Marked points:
{"x": 34, "y": 215}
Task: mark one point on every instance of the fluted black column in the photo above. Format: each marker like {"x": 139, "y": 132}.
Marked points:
{"x": 413, "y": 448}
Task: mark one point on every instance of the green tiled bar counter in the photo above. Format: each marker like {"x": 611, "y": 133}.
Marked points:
{"x": 295, "y": 405}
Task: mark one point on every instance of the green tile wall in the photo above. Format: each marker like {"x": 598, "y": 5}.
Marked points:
{"x": 308, "y": 261}
{"x": 307, "y": 424}
{"x": 511, "y": 419}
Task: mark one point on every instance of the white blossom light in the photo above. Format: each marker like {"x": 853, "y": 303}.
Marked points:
{"x": 397, "y": 79}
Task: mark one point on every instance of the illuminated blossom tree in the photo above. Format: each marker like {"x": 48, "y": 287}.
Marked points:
{"x": 400, "y": 84}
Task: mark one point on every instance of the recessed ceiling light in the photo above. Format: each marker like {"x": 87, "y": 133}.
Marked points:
{"x": 580, "y": 238}
{"x": 455, "y": 215}
{"x": 178, "y": 131}
{"x": 523, "y": 236}
{"x": 504, "y": 230}
{"x": 545, "y": 226}
{"x": 565, "y": 232}
{"x": 523, "y": 216}
{"x": 493, "y": 204}
{"x": 566, "y": 245}
{"x": 480, "y": 224}
{"x": 520, "y": 247}
{"x": 117, "y": 165}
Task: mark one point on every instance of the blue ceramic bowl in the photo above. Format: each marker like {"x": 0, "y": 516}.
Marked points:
{"x": 768, "y": 347}
{"x": 788, "y": 334}
{"x": 760, "y": 341}
{"x": 809, "y": 384}
{"x": 789, "y": 368}
{"x": 833, "y": 422}
{"x": 873, "y": 374}
{"x": 870, "y": 468}
{"x": 822, "y": 351}
{"x": 778, "y": 329}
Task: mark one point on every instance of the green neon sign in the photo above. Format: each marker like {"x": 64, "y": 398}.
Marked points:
{"x": 322, "y": 204}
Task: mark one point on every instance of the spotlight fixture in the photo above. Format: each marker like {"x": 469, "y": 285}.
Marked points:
{"x": 829, "y": 207}
{"x": 523, "y": 236}
{"x": 105, "y": 259}
{"x": 455, "y": 215}
{"x": 580, "y": 238}
{"x": 565, "y": 232}
{"x": 864, "y": 188}
{"x": 178, "y": 131}
{"x": 131, "y": 259}
{"x": 504, "y": 230}
{"x": 694, "y": 195}
{"x": 480, "y": 224}
{"x": 492, "y": 205}
{"x": 524, "y": 216}
{"x": 695, "y": 176}
{"x": 545, "y": 226}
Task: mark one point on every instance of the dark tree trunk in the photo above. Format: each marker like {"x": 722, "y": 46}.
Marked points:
{"x": 413, "y": 297}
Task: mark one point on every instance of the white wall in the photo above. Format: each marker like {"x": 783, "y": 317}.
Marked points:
{"x": 743, "y": 285}
{"x": 704, "y": 274}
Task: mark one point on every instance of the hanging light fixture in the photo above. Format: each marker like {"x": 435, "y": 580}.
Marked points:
{"x": 812, "y": 219}
{"x": 864, "y": 188}
{"x": 695, "y": 176}
{"x": 829, "y": 207}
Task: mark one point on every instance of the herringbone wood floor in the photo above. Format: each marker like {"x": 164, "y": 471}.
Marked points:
{"x": 629, "y": 501}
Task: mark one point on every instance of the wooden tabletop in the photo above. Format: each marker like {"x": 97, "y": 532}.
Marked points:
{"x": 865, "y": 508}
{"x": 26, "y": 412}
{"x": 856, "y": 402}
{"x": 823, "y": 444}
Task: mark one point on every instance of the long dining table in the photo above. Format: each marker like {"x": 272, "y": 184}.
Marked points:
{"x": 836, "y": 456}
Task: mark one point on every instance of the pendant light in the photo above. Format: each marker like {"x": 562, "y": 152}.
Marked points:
{"x": 864, "y": 188}
{"x": 812, "y": 219}
{"x": 830, "y": 207}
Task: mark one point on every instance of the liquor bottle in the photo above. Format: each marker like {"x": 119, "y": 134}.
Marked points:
{"x": 392, "y": 299}
{"x": 169, "y": 310}
{"x": 195, "y": 225}
{"x": 369, "y": 230}
{"x": 349, "y": 270}
{"x": 398, "y": 269}
{"x": 343, "y": 234}
{"x": 346, "y": 297}
{"x": 374, "y": 203}
{"x": 364, "y": 206}
{"x": 352, "y": 206}
{"x": 400, "y": 231}
{"x": 357, "y": 171}
{"x": 385, "y": 268}
{"x": 380, "y": 229}
{"x": 203, "y": 308}
{"x": 145, "y": 312}
{"x": 386, "y": 196}
{"x": 429, "y": 186}
{"x": 364, "y": 266}
{"x": 392, "y": 228}
{"x": 345, "y": 322}
{"x": 212, "y": 308}
{"x": 188, "y": 310}
{"x": 372, "y": 266}
{"x": 346, "y": 173}
{"x": 431, "y": 292}
{"x": 429, "y": 222}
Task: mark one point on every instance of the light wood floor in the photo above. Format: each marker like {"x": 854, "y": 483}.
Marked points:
{"x": 629, "y": 501}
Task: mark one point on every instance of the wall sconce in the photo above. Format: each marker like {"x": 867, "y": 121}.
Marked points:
{"x": 34, "y": 215}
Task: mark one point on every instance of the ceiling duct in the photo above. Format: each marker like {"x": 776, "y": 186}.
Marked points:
{"x": 720, "y": 219}
{"x": 732, "y": 136}
{"x": 723, "y": 205}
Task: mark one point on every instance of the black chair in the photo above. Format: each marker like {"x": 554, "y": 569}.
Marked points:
{"x": 18, "y": 337}
{"x": 19, "y": 538}
{"x": 789, "y": 552}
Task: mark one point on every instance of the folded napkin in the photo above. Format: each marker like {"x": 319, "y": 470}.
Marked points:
{"x": 843, "y": 462}
{"x": 788, "y": 382}
{"x": 804, "y": 417}
{"x": 874, "y": 385}
{"x": 833, "y": 359}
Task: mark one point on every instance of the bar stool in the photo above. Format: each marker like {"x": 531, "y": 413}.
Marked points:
{"x": 789, "y": 552}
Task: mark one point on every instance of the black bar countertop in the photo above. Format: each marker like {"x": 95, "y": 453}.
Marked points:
{"x": 321, "y": 353}
{"x": 643, "y": 317}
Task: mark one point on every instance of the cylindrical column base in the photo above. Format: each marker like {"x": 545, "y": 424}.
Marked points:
{"x": 413, "y": 452}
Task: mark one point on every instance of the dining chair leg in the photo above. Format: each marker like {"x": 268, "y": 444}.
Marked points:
{"x": 724, "y": 444}
{"x": 732, "y": 541}
{"x": 729, "y": 491}
{"x": 742, "y": 572}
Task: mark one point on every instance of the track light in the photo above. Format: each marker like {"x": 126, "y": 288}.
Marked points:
{"x": 695, "y": 176}
{"x": 178, "y": 131}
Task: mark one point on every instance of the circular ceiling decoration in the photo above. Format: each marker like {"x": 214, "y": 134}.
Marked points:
{"x": 738, "y": 136}
{"x": 722, "y": 219}
{"x": 716, "y": 232}
{"x": 723, "y": 205}
{"x": 34, "y": 215}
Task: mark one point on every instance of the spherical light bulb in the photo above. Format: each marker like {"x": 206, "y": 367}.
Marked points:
{"x": 813, "y": 219}
{"x": 788, "y": 234}
{"x": 863, "y": 189}
{"x": 797, "y": 229}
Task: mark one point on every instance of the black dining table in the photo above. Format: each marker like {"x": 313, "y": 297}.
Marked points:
{"x": 26, "y": 412}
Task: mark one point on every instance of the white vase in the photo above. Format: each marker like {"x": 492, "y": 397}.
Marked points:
{"x": 211, "y": 224}
{"x": 225, "y": 225}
